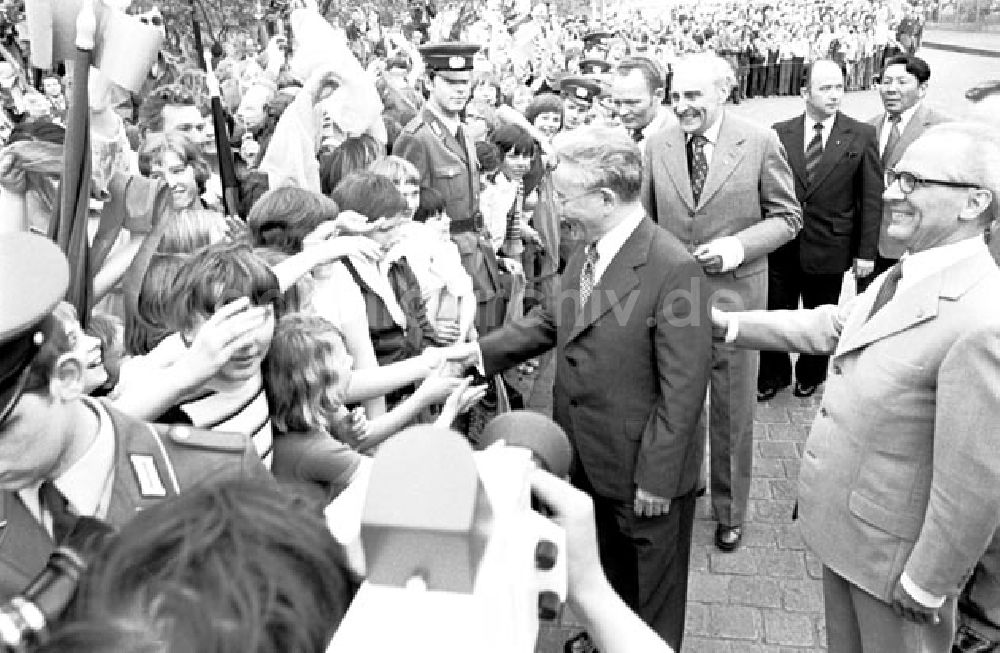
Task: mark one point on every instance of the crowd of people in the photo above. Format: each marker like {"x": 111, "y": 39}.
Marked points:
{"x": 305, "y": 239}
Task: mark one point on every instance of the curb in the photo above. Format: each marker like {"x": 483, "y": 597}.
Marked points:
{"x": 950, "y": 47}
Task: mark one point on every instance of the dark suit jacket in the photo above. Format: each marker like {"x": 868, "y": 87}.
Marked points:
{"x": 632, "y": 365}
{"x": 923, "y": 118}
{"x": 192, "y": 456}
{"x": 842, "y": 207}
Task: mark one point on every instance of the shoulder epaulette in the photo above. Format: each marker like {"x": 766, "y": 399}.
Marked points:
{"x": 193, "y": 438}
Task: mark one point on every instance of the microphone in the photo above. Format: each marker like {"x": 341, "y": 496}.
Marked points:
{"x": 549, "y": 446}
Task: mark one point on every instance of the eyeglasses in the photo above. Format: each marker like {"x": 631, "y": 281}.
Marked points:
{"x": 909, "y": 181}
{"x": 562, "y": 201}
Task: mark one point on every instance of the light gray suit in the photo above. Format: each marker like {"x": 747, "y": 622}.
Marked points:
{"x": 923, "y": 118}
{"x": 901, "y": 467}
{"x": 749, "y": 194}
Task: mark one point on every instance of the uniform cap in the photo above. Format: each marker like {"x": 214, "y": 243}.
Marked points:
{"x": 34, "y": 276}
{"x": 580, "y": 88}
{"x": 449, "y": 56}
{"x": 596, "y": 39}
{"x": 595, "y": 67}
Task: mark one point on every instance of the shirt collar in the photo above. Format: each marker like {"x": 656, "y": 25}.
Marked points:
{"x": 86, "y": 481}
{"x": 921, "y": 265}
{"x": 609, "y": 244}
{"x": 904, "y": 118}
{"x": 712, "y": 133}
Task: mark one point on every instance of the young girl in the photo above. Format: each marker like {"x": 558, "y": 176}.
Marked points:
{"x": 306, "y": 375}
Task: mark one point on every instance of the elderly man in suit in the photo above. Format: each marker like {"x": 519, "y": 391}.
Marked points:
{"x": 633, "y": 342}
{"x": 724, "y": 188}
{"x": 906, "y": 116}
{"x": 62, "y": 454}
{"x": 899, "y": 494}
{"x": 838, "y": 181}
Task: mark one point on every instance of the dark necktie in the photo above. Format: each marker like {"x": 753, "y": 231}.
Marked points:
{"x": 888, "y": 288}
{"x": 460, "y": 136}
{"x": 890, "y": 144}
{"x": 637, "y": 135}
{"x": 51, "y": 499}
{"x": 513, "y": 245}
{"x": 588, "y": 274}
{"x": 697, "y": 165}
{"x": 814, "y": 151}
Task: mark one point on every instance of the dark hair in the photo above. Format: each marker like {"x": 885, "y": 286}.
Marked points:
{"x": 216, "y": 275}
{"x": 432, "y": 202}
{"x": 356, "y": 153}
{"x": 47, "y": 132}
{"x": 149, "y": 325}
{"x": 373, "y": 196}
{"x": 283, "y": 217}
{"x": 544, "y": 103}
{"x": 913, "y": 64}
{"x": 230, "y": 566}
{"x": 513, "y": 139}
{"x": 651, "y": 72}
{"x": 151, "y": 110}
{"x": 488, "y": 155}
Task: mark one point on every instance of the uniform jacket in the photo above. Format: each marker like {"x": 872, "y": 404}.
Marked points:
{"x": 900, "y": 469}
{"x": 447, "y": 166}
{"x": 749, "y": 193}
{"x": 632, "y": 366}
{"x": 842, "y": 207}
{"x": 923, "y": 118}
{"x": 182, "y": 456}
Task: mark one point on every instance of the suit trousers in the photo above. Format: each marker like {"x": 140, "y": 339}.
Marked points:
{"x": 731, "y": 400}
{"x": 857, "y": 622}
{"x": 785, "y": 77}
{"x": 646, "y": 558}
{"x": 798, "y": 67}
{"x": 786, "y": 284}
{"x": 979, "y": 603}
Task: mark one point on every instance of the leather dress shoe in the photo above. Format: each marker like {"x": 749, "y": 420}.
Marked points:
{"x": 969, "y": 640}
{"x": 768, "y": 393}
{"x": 728, "y": 538}
{"x": 804, "y": 389}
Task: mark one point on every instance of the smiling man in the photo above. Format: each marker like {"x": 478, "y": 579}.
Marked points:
{"x": 898, "y": 492}
{"x": 722, "y": 185}
{"x": 62, "y": 454}
{"x": 903, "y": 87}
{"x": 838, "y": 180}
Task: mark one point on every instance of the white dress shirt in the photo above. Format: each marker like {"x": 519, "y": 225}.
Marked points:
{"x": 904, "y": 120}
{"x": 611, "y": 243}
{"x": 87, "y": 483}
{"x": 712, "y": 136}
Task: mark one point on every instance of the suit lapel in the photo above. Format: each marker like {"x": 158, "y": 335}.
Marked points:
{"x": 445, "y": 136}
{"x": 838, "y": 142}
{"x": 727, "y": 155}
{"x": 793, "y": 137}
{"x": 25, "y": 546}
{"x": 617, "y": 282}
{"x": 918, "y": 123}
{"x": 675, "y": 162}
{"x": 911, "y": 306}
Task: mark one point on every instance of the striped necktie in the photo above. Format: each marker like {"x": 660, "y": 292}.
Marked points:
{"x": 890, "y": 144}
{"x": 814, "y": 152}
{"x": 588, "y": 275}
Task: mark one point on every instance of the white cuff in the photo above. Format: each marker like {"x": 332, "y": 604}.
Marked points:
{"x": 732, "y": 328}
{"x": 480, "y": 366}
{"x": 731, "y": 250}
{"x": 922, "y": 597}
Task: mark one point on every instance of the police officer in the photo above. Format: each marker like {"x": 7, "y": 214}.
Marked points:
{"x": 578, "y": 94}
{"x": 63, "y": 454}
{"x": 440, "y": 148}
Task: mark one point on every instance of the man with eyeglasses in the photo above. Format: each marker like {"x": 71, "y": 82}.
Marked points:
{"x": 903, "y": 86}
{"x": 898, "y": 493}
{"x": 633, "y": 342}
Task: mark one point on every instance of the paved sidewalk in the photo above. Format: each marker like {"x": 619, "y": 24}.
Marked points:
{"x": 766, "y": 597}
{"x": 984, "y": 43}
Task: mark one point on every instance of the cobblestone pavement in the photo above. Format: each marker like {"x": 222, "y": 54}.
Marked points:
{"x": 765, "y": 597}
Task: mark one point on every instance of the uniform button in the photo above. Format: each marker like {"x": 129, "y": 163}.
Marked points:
{"x": 181, "y": 433}
{"x": 837, "y": 370}
{"x": 573, "y": 403}
{"x": 691, "y": 214}
{"x": 822, "y": 411}
{"x": 571, "y": 361}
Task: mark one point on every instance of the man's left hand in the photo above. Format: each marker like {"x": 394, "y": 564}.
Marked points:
{"x": 648, "y": 504}
{"x": 909, "y": 608}
{"x": 863, "y": 268}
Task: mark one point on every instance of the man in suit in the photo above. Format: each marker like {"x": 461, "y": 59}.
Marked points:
{"x": 906, "y": 117}
{"x": 633, "y": 343}
{"x": 637, "y": 93}
{"x": 445, "y": 155}
{"x": 838, "y": 181}
{"x": 724, "y": 188}
{"x": 62, "y": 454}
{"x": 898, "y": 492}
